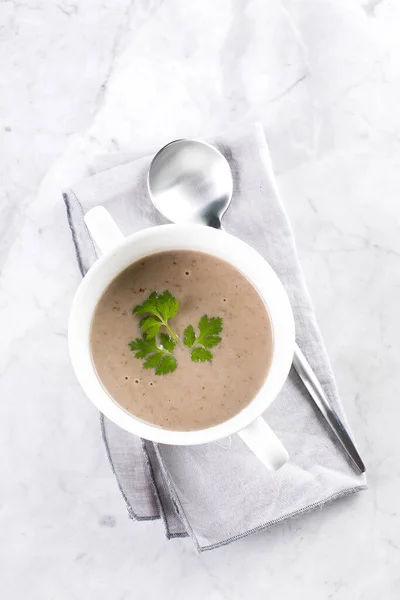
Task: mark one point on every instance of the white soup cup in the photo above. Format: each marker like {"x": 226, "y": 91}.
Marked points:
{"x": 118, "y": 252}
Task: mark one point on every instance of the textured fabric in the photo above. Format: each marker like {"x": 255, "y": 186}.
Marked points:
{"x": 219, "y": 492}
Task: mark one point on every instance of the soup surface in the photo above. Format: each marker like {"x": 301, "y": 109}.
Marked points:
{"x": 196, "y": 395}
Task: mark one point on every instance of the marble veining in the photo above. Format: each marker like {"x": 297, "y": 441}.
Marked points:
{"x": 81, "y": 79}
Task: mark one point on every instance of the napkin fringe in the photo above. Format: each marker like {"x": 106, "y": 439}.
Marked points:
{"x": 131, "y": 512}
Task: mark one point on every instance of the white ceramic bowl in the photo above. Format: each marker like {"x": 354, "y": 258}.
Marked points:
{"x": 121, "y": 252}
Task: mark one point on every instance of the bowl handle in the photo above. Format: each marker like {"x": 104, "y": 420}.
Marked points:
{"x": 103, "y": 229}
{"x": 261, "y": 440}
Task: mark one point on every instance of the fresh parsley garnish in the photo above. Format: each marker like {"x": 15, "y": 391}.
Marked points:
{"x": 189, "y": 336}
{"x": 200, "y": 354}
{"x": 209, "y": 328}
{"x": 160, "y": 309}
{"x": 158, "y": 358}
{"x": 167, "y": 342}
{"x": 156, "y": 347}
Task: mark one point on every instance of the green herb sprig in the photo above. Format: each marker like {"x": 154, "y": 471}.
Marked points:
{"x": 160, "y": 309}
{"x": 209, "y": 328}
{"x": 159, "y": 358}
{"x": 156, "y": 347}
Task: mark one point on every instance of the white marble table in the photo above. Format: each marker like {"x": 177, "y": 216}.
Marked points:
{"x": 79, "y": 79}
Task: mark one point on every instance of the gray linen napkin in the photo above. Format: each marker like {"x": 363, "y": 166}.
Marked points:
{"x": 219, "y": 492}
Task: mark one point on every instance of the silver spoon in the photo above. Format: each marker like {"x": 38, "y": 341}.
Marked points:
{"x": 191, "y": 182}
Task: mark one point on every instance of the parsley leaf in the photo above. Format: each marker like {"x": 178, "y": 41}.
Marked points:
{"x": 152, "y": 361}
{"x": 167, "y": 305}
{"x": 159, "y": 308}
{"x": 143, "y": 346}
{"x": 209, "y": 328}
{"x": 200, "y": 355}
{"x": 167, "y": 364}
{"x": 189, "y": 336}
{"x": 150, "y": 326}
{"x": 167, "y": 342}
{"x": 162, "y": 363}
{"x": 159, "y": 359}
{"x": 147, "y": 306}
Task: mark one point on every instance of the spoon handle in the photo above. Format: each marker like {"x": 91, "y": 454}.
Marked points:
{"x": 316, "y": 392}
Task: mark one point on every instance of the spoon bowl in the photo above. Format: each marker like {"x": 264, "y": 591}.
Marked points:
{"x": 190, "y": 182}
